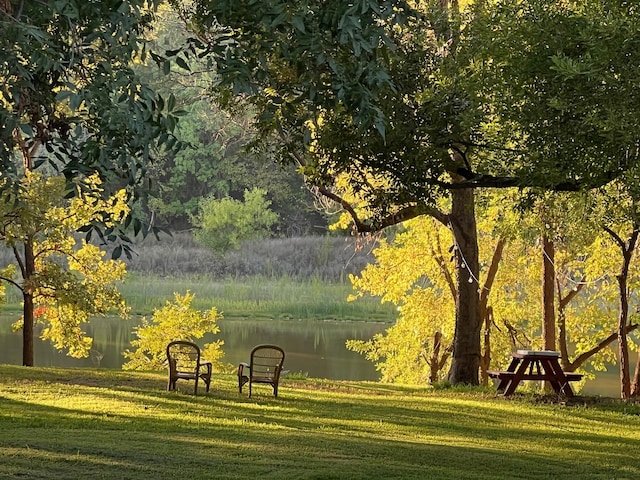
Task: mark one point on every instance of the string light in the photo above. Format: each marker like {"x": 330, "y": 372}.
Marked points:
{"x": 457, "y": 248}
{"x": 571, "y": 280}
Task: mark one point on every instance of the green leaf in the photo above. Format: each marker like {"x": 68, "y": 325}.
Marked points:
{"x": 182, "y": 63}
{"x": 298, "y": 23}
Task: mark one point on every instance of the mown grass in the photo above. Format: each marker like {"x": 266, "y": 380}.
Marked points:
{"x": 66, "y": 423}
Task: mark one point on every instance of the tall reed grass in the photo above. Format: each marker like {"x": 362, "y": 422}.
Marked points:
{"x": 257, "y": 297}
{"x": 327, "y": 258}
{"x": 300, "y": 278}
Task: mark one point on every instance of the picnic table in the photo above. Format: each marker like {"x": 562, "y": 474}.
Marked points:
{"x": 535, "y": 365}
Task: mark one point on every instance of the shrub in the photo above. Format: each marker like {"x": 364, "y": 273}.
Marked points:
{"x": 224, "y": 224}
{"x": 174, "y": 321}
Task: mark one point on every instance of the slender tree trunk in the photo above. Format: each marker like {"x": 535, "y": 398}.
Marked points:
{"x": 548, "y": 294}
{"x": 27, "y": 295}
{"x": 562, "y": 341}
{"x": 623, "y": 345}
{"x": 635, "y": 385}
{"x": 466, "y": 342}
{"x": 486, "y": 311}
{"x": 434, "y": 362}
{"x": 627, "y": 249}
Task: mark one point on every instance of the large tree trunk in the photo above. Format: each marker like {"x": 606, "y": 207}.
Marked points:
{"x": 466, "y": 342}
{"x": 548, "y": 297}
{"x": 27, "y": 311}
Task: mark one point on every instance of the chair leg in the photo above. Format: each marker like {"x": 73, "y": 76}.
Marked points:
{"x": 195, "y": 389}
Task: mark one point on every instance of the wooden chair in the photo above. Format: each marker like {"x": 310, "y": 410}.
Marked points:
{"x": 265, "y": 365}
{"x": 185, "y": 363}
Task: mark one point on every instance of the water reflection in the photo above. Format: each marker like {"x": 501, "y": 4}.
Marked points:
{"x": 313, "y": 347}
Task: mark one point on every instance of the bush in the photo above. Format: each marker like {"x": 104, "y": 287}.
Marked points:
{"x": 174, "y": 321}
{"x": 224, "y": 224}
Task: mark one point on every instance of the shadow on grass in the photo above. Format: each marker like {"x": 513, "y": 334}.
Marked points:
{"x": 111, "y": 427}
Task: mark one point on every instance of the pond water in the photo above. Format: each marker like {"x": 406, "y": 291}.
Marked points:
{"x": 313, "y": 347}
{"x": 316, "y": 348}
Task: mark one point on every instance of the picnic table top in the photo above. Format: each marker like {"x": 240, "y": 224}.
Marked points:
{"x": 536, "y": 353}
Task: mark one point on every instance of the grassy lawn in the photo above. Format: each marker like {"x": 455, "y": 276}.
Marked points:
{"x": 76, "y": 424}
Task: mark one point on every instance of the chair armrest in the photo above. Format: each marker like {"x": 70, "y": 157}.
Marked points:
{"x": 241, "y": 367}
{"x": 209, "y": 366}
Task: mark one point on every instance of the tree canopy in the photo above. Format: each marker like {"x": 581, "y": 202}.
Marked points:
{"x": 502, "y": 94}
{"x": 69, "y": 97}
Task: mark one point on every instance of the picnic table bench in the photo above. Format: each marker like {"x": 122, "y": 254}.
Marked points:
{"x": 535, "y": 365}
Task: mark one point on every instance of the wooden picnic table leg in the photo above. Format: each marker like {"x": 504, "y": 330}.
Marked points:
{"x": 557, "y": 378}
{"x": 504, "y": 383}
{"x": 519, "y": 374}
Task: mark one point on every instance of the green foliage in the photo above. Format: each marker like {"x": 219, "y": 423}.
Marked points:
{"x": 68, "y": 282}
{"x": 70, "y": 101}
{"x": 219, "y": 161}
{"x": 174, "y": 321}
{"x": 224, "y": 224}
{"x": 559, "y": 81}
{"x": 421, "y": 97}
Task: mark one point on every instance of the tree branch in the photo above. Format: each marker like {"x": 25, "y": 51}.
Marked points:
{"x": 12, "y": 282}
{"x": 577, "y": 363}
{"x": 492, "y": 272}
{"x": 400, "y": 216}
{"x": 473, "y": 180}
{"x": 564, "y": 301}
{"x": 616, "y": 238}
{"x": 16, "y": 254}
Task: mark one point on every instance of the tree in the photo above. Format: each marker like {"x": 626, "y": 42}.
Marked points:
{"x": 399, "y": 93}
{"x": 62, "y": 284}
{"x": 416, "y": 272}
{"x": 223, "y": 224}
{"x": 620, "y": 229}
{"x": 175, "y": 321}
{"x": 69, "y": 98}
{"x": 72, "y": 106}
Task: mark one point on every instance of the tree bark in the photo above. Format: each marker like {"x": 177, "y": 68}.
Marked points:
{"x": 548, "y": 294}
{"x": 561, "y": 323}
{"x": 623, "y": 346}
{"x": 627, "y": 249}
{"x": 486, "y": 311}
{"x": 27, "y": 311}
{"x": 466, "y": 342}
{"x": 635, "y": 384}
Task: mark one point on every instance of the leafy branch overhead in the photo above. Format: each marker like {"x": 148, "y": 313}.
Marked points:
{"x": 70, "y": 97}
{"x": 431, "y": 98}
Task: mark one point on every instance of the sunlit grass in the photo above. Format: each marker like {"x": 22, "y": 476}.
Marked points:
{"x": 257, "y": 297}
{"x": 251, "y": 297}
{"x": 65, "y": 423}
